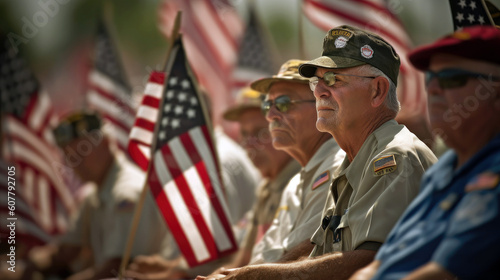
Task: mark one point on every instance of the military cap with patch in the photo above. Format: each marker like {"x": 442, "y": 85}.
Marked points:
{"x": 74, "y": 126}
{"x": 347, "y": 46}
{"x": 288, "y": 72}
{"x": 476, "y": 42}
{"x": 247, "y": 99}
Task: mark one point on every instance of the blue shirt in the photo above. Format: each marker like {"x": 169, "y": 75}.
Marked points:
{"x": 454, "y": 221}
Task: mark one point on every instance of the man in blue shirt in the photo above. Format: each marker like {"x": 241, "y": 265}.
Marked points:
{"x": 452, "y": 228}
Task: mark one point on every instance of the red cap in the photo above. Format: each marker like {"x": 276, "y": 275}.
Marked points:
{"x": 476, "y": 42}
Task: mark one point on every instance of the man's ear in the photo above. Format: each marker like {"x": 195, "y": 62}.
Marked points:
{"x": 379, "y": 91}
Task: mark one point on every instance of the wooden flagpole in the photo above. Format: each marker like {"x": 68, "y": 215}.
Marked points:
{"x": 140, "y": 203}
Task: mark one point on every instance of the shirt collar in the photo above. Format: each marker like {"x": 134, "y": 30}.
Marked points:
{"x": 291, "y": 168}
{"x": 322, "y": 153}
{"x": 351, "y": 169}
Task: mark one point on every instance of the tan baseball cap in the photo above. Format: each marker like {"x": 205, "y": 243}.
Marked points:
{"x": 289, "y": 71}
{"x": 247, "y": 99}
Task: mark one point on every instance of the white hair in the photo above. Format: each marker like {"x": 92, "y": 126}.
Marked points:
{"x": 391, "y": 101}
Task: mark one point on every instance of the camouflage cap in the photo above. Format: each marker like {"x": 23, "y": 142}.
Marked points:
{"x": 347, "y": 46}
{"x": 247, "y": 99}
{"x": 289, "y": 71}
{"x": 74, "y": 126}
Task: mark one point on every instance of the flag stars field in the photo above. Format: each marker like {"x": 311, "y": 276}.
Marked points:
{"x": 178, "y": 109}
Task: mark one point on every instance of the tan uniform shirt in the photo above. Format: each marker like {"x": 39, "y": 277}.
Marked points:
{"x": 268, "y": 199}
{"x": 105, "y": 218}
{"x": 300, "y": 205}
{"x": 368, "y": 195}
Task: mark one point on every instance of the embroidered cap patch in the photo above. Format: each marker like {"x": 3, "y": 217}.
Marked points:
{"x": 384, "y": 165}
{"x": 323, "y": 177}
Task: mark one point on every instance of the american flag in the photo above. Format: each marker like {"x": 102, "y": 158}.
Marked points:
{"x": 141, "y": 135}
{"x": 109, "y": 93}
{"x": 184, "y": 175}
{"x": 211, "y": 30}
{"x": 254, "y": 55}
{"x": 43, "y": 193}
{"x": 468, "y": 13}
{"x": 374, "y": 15}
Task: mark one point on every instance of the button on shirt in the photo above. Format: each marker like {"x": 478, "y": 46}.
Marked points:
{"x": 454, "y": 221}
{"x": 301, "y": 204}
{"x": 369, "y": 194}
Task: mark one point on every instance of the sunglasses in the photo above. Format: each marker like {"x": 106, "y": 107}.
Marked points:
{"x": 281, "y": 103}
{"x": 454, "y": 78}
{"x": 329, "y": 79}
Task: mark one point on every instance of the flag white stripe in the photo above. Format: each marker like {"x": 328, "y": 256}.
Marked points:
{"x": 220, "y": 43}
{"x": 108, "y": 85}
{"x": 148, "y": 113}
{"x": 17, "y": 129}
{"x": 203, "y": 150}
{"x": 39, "y": 112}
{"x": 154, "y": 90}
{"x": 371, "y": 16}
{"x": 195, "y": 54}
{"x": 326, "y": 18}
{"x": 110, "y": 108}
{"x": 141, "y": 134}
{"x": 145, "y": 150}
{"x": 180, "y": 209}
{"x": 27, "y": 155}
{"x": 44, "y": 213}
{"x": 28, "y": 182}
{"x": 200, "y": 195}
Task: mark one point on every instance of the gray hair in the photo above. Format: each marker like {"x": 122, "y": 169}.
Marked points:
{"x": 391, "y": 101}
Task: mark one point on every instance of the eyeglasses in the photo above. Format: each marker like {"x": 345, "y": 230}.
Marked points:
{"x": 281, "y": 103}
{"x": 329, "y": 79}
{"x": 454, "y": 78}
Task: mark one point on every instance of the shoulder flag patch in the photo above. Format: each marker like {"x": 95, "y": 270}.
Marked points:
{"x": 323, "y": 177}
{"x": 484, "y": 181}
{"x": 384, "y": 165}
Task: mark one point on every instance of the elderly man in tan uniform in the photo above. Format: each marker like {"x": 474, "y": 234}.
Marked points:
{"x": 106, "y": 214}
{"x": 290, "y": 111}
{"x": 275, "y": 166}
{"x": 354, "y": 82}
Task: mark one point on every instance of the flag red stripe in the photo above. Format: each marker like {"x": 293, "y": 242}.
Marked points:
{"x": 361, "y": 22}
{"x": 217, "y": 205}
{"x": 169, "y": 215}
{"x": 188, "y": 198}
{"x": 207, "y": 183}
{"x": 113, "y": 98}
{"x": 150, "y": 101}
{"x": 142, "y": 123}
{"x": 221, "y": 25}
{"x": 379, "y": 8}
{"x": 137, "y": 155}
{"x": 208, "y": 138}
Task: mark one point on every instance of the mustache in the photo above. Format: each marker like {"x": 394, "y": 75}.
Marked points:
{"x": 324, "y": 103}
{"x": 274, "y": 124}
